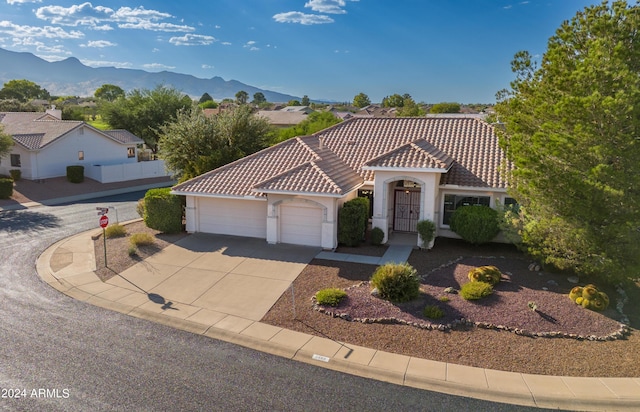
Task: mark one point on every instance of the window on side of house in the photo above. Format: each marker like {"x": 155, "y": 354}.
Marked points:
{"x": 131, "y": 152}
{"x": 15, "y": 160}
{"x": 81, "y": 155}
{"x": 511, "y": 203}
{"x": 452, "y": 202}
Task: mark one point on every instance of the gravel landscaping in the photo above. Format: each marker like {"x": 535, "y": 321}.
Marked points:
{"x": 494, "y": 345}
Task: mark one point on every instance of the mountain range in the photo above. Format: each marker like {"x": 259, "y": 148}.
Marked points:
{"x": 69, "y": 77}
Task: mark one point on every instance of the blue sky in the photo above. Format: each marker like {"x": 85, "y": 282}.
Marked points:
{"x": 435, "y": 50}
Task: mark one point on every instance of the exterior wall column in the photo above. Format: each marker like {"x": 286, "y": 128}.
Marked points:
{"x": 191, "y": 216}
{"x": 272, "y": 222}
{"x": 380, "y": 218}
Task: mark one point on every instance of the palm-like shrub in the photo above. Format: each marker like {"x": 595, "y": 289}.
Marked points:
{"x": 396, "y": 282}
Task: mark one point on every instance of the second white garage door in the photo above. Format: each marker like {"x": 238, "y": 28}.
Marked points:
{"x": 301, "y": 225}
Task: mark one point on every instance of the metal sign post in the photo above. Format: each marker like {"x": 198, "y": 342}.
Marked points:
{"x": 104, "y": 221}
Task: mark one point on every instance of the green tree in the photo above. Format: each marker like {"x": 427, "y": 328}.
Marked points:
{"x": 242, "y": 97}
{"x": 315, "y": 122}
{"x": 206, "y": 97}
{"x": 293, "y": 103}
{"x": 305, "y": 100}
{"x": 258, "y": 98}
{"x": 6, "y": 142}
{"x": 361, "y": 100}
{"x": 409, "y": 108}
{"x": 194, "y": 144}
{"x": 395, "y": 100}
{"x": 143, "y": 111}
{"x": 208, "y": 104}
{"x": 445, "y": 108}
{"x": 109, "y": 92}
{"x": 571, "y": 131}
{"x": 23, "y": 91}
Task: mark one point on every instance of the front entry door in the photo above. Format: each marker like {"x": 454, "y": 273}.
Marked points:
{"x": 406, "y": 210}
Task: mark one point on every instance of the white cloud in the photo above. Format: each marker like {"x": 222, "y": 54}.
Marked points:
{"x": 157, "y": 66}
{"x": 99, "y": 44}
{"x": 208, "y": 66}
{"x": 21, "y": 32}
{"x": 301, "y": 18}
{"x": 102, "y": 63}
{"x": 192, "y": 40}
{"x": 226, "y": 43}
{"x": 251, "y": 45}
{"x": 77, "y": 15}
{"x": 327, "y": 6}
{"x": 12, "y": 2}
{"x": 100, "y": 18}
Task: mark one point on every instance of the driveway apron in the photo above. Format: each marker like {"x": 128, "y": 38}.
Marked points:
{"x": 242, "y": 277}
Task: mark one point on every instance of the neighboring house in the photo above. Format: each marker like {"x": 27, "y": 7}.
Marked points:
{"x": 374, "y": 110}
{"x": 287, "y": 116}
{"x": 44, "y": 145}
{"x": 279, "y": 118}
{"x": 411, "y": 169}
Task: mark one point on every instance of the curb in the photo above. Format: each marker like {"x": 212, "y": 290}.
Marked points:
{"x": 322, "y": 352}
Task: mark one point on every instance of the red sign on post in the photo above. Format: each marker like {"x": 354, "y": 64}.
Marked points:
{"x": 104, "y": 221}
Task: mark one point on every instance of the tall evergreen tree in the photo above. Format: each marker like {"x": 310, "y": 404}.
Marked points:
{"x": 571, "y": 131}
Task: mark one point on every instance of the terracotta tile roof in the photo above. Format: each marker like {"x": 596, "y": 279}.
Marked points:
{"x": 35, "y": 130}
{"x": 124, "y": 136}
{"x": 332, "y": 160}
{"x": 419, "y": 154}
{"x": 326, "y": 175}
{"x": 29, "y": 141}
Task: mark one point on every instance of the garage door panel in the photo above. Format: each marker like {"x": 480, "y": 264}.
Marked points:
{"x": 233, "y": 217}
{"x": 301, "y": 225}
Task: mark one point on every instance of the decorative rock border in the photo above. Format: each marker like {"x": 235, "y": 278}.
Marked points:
{"x": 621, "y": 333}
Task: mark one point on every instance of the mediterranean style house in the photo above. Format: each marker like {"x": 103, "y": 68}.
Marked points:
{"x": 44, "y": 145}
{"x": 410, "y": 168}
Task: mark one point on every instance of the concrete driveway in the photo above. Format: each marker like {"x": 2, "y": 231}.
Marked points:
{"x": 237, "y": 276}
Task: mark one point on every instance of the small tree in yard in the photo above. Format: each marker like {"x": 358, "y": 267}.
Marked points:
{"x": 352, "y": 221}
{"x": 163, "y": 211}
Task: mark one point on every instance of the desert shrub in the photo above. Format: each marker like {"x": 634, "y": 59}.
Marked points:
{"x": 432, "y": 312}
{"x": 133, "y": 251}
{"x": 489, "y": 274}
{"x": 115, "y": 230}
{"x": 475, "y": 224}
{"x": 444, "y": 299}
{"x": 377, "y": 236}
{"x": 427, "y": 231}
{"x": 140, "y": 208}
{"x": 6, "y": 188}
{"x": 352, "y": 221}
{"x": 589, "y": 297}
{"x": 476, "y": 290}
{"x": 396, "y": 282}
{"x": 141, "y": 239}
{"x": 163, "y": 211}
{"x": 16, "y": 174}
{"x": 330, "y": 296}
{"x": 75, "y": 174}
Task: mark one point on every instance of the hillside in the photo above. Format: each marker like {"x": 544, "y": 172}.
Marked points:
{"x": 70, "y": 77}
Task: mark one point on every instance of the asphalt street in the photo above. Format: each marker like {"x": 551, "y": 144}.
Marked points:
{"x": 57, "y": 353}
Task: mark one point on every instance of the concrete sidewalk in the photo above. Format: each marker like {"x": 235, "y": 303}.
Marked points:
{"x": 173, "y": 288}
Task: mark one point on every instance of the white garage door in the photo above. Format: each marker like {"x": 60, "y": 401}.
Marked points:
{"x": 301, "y": 225}
{"x": 233, "y": 217}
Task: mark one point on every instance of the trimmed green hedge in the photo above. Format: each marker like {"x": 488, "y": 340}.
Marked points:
{"x": 6, "y": 187}
{"x": 352, "y": 221}
{"x": 163, "y": 211}
{"x": 75, "y": 174}
{"x": 16, "y": 174}
{"x": 475, "y": 224}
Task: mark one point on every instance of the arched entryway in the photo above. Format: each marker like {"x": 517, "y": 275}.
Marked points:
{"x": 407, "y": 201}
